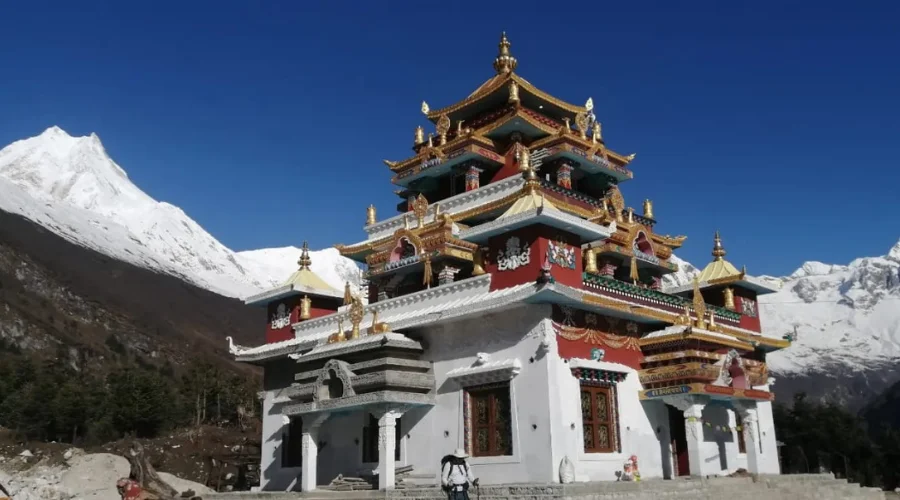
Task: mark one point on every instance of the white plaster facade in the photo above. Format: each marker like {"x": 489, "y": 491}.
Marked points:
{"x": 545, "y": 412}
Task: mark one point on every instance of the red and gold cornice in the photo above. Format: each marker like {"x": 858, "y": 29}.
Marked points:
{"x": 689, "y": 335}
{"x": 428, "y": 152}
{"x": 566, "y": 136}
{"x": 672, "y": 318}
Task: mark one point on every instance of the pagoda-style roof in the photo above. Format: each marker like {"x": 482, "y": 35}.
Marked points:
{"x": 497, "y": 89}
{"x": 302, "y": 281}
{"x": 720, "y": 272}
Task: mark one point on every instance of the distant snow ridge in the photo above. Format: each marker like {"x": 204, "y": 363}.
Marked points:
{"x": 71, "y": 186}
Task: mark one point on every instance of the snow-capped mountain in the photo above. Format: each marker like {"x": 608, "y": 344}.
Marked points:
{"x": 72, "y": 187}
{"x": 845, "y": 316}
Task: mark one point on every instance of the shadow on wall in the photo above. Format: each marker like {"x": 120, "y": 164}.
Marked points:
{"x": 279, "y": 479}
{"x": 716, "y": 429}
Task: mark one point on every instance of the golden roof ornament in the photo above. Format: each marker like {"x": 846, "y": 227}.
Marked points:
{"x": 718, "y": 250}
{"x": 304, "y": 261}
{"x": 391, "y": 164}
{"x": 430, "y": 140}
{"x": 524, "y": 158}
{"x": 589, "y": 104}
{"x": 305, "y": 306}
{"x": 420, "y": 136}
{"x": 356, "y": 317}
{"x": 505, "y": 63}
{"x": 699, "y": 305}
{"x": 728, "y": 292}
{"x": 648, "y": 209}
{"x": 567, "y": 127}
{"x": 478, "y": 262}
{"x": 597, "y": 132}
{"x": 513, "y": 92}
{"x": 443, "y": 126}
{"x": 631, "y": 157}
{"x": 347, "y": 295}
{"x": 581, "y": 122}
{"x": 617, "y": 202}
{"x": 590, "y": 261}
{"x": 340, "y": 337}
{"x": 425, "y": 108}
{"x": 459, "y": 128}
{"x": 630, "y": 215}
{"x": 420, "y": 209}
{"x": 370, "y": 215}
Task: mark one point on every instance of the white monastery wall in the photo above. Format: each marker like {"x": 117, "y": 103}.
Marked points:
{"x": 638, "y": 422}
{"x": 504, "y": 335}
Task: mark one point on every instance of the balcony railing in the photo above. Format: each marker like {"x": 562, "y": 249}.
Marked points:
{"x": 656, "y": 296}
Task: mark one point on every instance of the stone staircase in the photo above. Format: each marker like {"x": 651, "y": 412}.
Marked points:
{"x": 787, "y": 487}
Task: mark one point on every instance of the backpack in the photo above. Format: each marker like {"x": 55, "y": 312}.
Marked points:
{"x": 449, "y": 458}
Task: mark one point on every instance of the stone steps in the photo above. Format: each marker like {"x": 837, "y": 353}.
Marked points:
{"x": 794, "y": 487}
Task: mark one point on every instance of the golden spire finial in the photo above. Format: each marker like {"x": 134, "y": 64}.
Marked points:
{"x": 718, "y": 250}
{"x": 370, "y": 215}
{"x": 348, "y": 297}
{"x": 304, "y": 261}
{"x": 505, "y": 62}
{"x": 699, "y": 305}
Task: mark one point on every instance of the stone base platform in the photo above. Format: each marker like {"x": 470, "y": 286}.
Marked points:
{"x": 786, "y": 487}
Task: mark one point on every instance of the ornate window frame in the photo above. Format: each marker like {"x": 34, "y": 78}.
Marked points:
{"x": 485, "y": 374}
{"x": 592, "y": 373}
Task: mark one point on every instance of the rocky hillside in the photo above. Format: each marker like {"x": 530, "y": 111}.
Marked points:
{"x": 61, "y": 299}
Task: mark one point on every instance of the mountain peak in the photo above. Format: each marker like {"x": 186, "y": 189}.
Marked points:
{"x": 54, "y": 131}
{"x": 894, "y": 254}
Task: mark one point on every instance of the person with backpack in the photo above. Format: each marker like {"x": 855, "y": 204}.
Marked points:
{"x": 456, "y": 475}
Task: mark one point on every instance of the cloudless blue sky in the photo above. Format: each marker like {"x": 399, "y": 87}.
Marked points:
{"x": 777, "y": 123}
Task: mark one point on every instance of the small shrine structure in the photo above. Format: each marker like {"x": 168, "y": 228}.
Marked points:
{"x": 519, "y": 308}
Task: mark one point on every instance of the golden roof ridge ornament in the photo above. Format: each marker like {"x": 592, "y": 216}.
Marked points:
{"x": 718, "y": 250}
{"x": 504, "y": 63}
{"x": 304, "y": 261}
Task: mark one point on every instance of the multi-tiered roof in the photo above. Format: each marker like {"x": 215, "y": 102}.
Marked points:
{"x": 504, "y": 203}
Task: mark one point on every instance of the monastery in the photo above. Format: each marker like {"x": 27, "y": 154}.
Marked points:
{"x": 515, "y": 308}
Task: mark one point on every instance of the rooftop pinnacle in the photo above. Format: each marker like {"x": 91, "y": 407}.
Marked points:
{"x": 718, "y": 251}
{"x": 505, "y": 62}
{"x": 304, "y": 261}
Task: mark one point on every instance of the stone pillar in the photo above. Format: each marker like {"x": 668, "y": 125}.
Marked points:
{"x": 751, "y": 437}
{"x": 310, "y": 445}
{"x": 693, "y": 426}
{"x": 387, "y": 443}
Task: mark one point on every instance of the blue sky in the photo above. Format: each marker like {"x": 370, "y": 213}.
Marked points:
{"x": 776, "y": 123}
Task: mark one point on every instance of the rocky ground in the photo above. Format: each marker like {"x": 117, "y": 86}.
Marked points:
{"x": 187, "y": 459}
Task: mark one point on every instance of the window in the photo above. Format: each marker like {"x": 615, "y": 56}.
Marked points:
{"x": 742, "y": 445}
{"x": 292, "y": 444}
{"x": 598, "y": 414}
{"x": 489, "y": 421}
{"x": 370, "y": 441}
